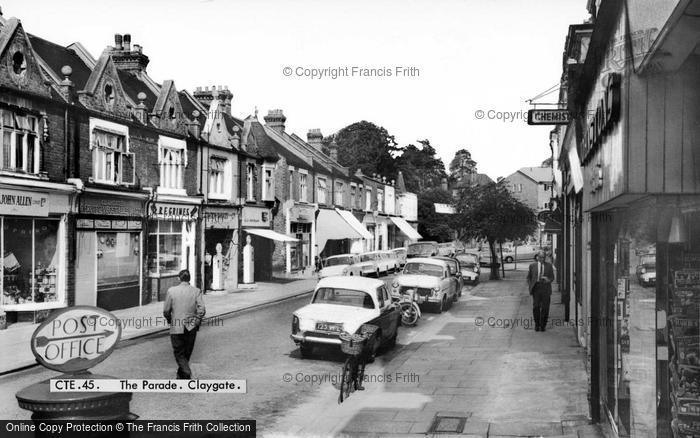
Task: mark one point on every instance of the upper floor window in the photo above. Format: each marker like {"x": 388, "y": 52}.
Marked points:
{"x": 218, "y": 177}
{"x": 322, "y": 191}
{"x": 339, "y": 192}
{"x": 547, "y": 187}
{"x": 303, "y": 190}
{"x": 172, "y": 160}
{"x": 380, "y": 200}
{"x": 290, "y": 182}
{"x": 250, "y": 182}
{"x": 517, "y": 188}
{"x": 268, "y": 184}
{"x": 20, "y": 143}
{"x": 368, "y": 198}
{"x": 353, "y": 195}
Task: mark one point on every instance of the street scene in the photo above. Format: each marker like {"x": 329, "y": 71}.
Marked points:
{"x": 350, "y": 218}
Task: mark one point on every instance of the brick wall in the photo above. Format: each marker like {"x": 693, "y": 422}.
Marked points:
{"x": 279, "y": 223}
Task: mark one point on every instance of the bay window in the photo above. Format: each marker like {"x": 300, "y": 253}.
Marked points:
{"x": 20, "y": 143}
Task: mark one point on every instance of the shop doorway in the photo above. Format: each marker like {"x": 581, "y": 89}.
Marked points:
{"x": 118, "y": 270}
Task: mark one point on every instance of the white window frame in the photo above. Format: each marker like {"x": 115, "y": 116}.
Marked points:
{"x": 268, "y": 182}
{"x": 290, "y": 175}
{"x": 353, "y": 195}
{"x": 322, "y": 190}
{"x": 303, "y": 185}
{"x": 22, "y": 125}
{"x": 339, "y": 192}
{"x": 219, "y": 181}
{"x": 368, "y": 198}
{"x": 172, "y": 171}
{"x": 250, "y": 181}
{"x": 115, "y": 175}
{"x": 380, "y": 200}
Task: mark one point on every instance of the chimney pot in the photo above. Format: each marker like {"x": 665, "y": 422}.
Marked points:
{"x": 118, "y": 41}
{"x": 127, "y": 42}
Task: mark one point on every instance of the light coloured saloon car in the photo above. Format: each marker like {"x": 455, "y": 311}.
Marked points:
{"x": 430, "y": 278}
{"x": 373, "y": 263}
{"x": 340, "y": 265}
{"x": 344, "y": 304}
{"x": 470, "y": 265}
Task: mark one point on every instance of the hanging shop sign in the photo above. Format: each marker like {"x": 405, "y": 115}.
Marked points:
{"x": 255, "y": 217}
{"x": 112, "y": 206}
{"x": 21, "y": 203}
{"x": 221, "y": 218}
{"x": 173, "y": 212}
{"x": 548, "y": 117}
{"x": 606, "y": 115}
{"x": 76, "y": 338}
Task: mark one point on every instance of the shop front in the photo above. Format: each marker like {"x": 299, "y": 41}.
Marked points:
{"x": 335, "y": 235}
{"x": 172, "y": 232}
{"x": 34, "y": 248}
{"x": 370, "y": 223}
{"x": 221, "y": 238}
{"x": 257, "y": 242}
{"x": 401, "y": 233}
{"x": 109, "y": 250}
{"x": 301, "y": 225}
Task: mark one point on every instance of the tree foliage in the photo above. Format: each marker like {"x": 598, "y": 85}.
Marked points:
{"x": 491, "y": 212}
{"x": 462, "y": 165}
{"x": 421, "y": 167}
{"x": 368, "y": 147}
{"x": 431, "y": 225}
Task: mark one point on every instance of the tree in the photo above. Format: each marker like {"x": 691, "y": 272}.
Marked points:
{"x": 421, "y": 167}
{"x": 368, "y": 147}
{"x": 462, "y": 165}
{"x": 432, "y": 225}
{"x": 490, "y": 212}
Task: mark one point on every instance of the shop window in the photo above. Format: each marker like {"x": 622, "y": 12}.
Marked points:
{"x": 20, "y": 143}
{"x": 112, "y": 163}
{"x": 31, "y": 261}
{"x": 268, "y": 184}
{"x": 339, "y": 189}
{"x": 217, "y": 177}
{"x": 322, "y": 191}
{"x": 118, "y": 258}
{"x": 165, "y": 247}
{"x": 303, "y": 191}
{"x": 250, "y": 182}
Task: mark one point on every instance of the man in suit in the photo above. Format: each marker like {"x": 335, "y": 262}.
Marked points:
{"x": 540, "y": 275}
{"x": 184, "y": 310}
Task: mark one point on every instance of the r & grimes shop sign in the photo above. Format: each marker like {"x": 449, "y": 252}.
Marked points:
{"x": 175, "y": 212}
{"x": 607, "y": 114}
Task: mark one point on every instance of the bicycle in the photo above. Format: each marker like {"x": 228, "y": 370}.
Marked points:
{"x": 358, "y": 349}
{"x": 410, "y": 311}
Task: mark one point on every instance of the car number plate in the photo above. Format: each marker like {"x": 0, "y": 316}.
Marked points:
{"x": 329, "y": 327}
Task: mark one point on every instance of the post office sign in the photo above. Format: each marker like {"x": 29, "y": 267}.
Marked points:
{"x": 76, "y": 338}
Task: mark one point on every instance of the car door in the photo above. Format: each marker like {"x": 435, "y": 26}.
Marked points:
{"x": 382, "y": 320}
{"x": 389, "y": 313}
{"x": 460, "y": 279}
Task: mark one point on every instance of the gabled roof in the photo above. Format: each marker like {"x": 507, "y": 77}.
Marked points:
{"x": 538, "y": 174}
{"x": 165, "y": 89}
{"x": 282, "y": 147}
{"x": 133, "y": 86}
{"x": 189, "y": 104}
{"x": 96, "y": 74}
{"x": 56, "y": 56}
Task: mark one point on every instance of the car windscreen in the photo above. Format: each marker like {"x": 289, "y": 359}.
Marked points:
{"x": 421, "y": 248}
{"x": 368, "y": 257}
{"x": 343, "y": 297}
{"x": 423, "y": 269}
{"x": 650, "y": 267}
{"x": 467, "y": 260}
{"x": 335, "y": 261}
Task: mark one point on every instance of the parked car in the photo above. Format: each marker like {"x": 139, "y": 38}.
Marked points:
{"x": 646, "y": 270}
{"x": 427, "y": 248}
{"x": 400, "y": 255}
{"x": 344, "y": 304}
{"x": 373, "y": 263}
{"x": 470, "y": 265}
{"x": 432, "y": 281}
{"x": 340, "y": 265}
{"x": 455, "y": 270}
{"x": 390, "y": 261}
{"x": 447, "y": 249}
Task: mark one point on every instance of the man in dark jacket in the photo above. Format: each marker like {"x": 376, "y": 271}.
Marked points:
{"x": 184, "y": 310}
{"x": 540, "y": 275}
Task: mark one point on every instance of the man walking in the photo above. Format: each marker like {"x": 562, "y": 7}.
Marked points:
{"x": 539, "y": 279}
{"x": 184, "y": 310}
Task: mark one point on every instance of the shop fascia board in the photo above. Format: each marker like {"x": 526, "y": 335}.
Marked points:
{"x": 38, "y": 184}
{"x": 195, "y": 200}
{"x": 124, "y": 194}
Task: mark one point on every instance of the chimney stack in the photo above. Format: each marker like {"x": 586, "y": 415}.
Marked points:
{"x": 275, "y": 119}
{"x": 315, "y": 138}
{"x": 127, "y": 42}
{"x": 132, "y": 61}
{"x": 206, "y": 96}
{"x": 118, "y": 42}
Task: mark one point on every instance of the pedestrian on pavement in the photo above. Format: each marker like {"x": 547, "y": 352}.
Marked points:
{"x": 539, "y": 279}
{"x": 184, "y": 310}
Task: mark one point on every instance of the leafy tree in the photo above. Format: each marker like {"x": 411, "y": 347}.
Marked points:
{"x": 421, "y": 167}
{"x": 368, "y": 147}
{"x": 462, "y": 165}
{"x": 490, "y": 212}
{"x": 432, "y": 225}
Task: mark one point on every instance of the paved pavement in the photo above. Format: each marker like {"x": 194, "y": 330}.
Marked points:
{"x": 147, "y": 320}
{"x": 481, "y": 367}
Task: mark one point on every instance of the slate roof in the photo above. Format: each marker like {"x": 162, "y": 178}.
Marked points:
{"x": 56, "y": 56}
{"x": 538, "y": 174}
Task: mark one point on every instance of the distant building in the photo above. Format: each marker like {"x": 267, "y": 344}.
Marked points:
{"x": 533, "y": 186}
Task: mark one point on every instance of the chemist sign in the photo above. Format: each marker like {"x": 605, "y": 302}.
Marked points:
{"x": 76, "y": 338}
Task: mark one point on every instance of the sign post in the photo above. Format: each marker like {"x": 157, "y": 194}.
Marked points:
{"x": 72, "y": 341}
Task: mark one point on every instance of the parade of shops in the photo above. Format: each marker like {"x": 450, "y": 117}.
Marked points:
{"x": 111, "y": 183}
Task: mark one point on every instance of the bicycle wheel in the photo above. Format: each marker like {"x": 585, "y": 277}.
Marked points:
{"x": 346, "y": 380}
{"x": 360, "y": 377}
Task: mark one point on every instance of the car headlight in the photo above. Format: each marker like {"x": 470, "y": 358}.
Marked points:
{"x": 644, "y": 271}
{"x": 295, "y": 324}
{"x": 395, "y": 284}
{"x": 436, "y": 291}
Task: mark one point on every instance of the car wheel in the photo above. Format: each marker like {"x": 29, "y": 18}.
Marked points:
{"x": 509, "y": 259}
{"x": 305, "y": 350}
{"x": 351, "y": 274}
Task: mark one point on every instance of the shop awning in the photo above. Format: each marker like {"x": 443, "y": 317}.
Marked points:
{"x": 405, "y": 227}
{"x": 331, "y": 226}
{"x": 355, "y": 224}
{"x": 269, "y": 234}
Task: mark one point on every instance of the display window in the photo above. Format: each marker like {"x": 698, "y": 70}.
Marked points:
{"x": 165, "y": 242}
{"x": 117, "y": 257}
{"x": 31, "y": 262}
